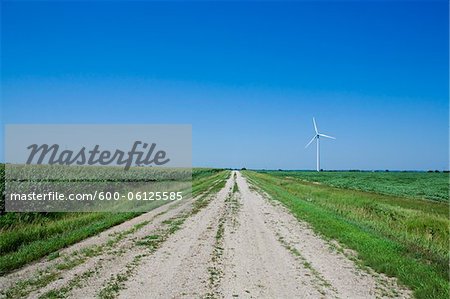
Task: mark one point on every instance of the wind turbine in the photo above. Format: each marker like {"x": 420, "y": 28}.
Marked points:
{"x": 317, "y": 138}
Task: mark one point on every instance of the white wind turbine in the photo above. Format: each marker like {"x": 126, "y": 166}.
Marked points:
{"x": 317, "y": 138}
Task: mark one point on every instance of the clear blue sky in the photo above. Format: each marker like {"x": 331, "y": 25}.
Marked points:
{"x": 248, "y": 76}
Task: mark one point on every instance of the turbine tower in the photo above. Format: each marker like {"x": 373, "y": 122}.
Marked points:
{"x": 317, "y": 138}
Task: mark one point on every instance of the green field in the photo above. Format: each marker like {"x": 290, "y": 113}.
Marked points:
{"x": 25, "y": 237}
{"x": 401, "y": 236}
{"x": 433, "y": 186}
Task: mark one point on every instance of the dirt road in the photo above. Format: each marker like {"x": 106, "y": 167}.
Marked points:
{"x": 236, "y": 243}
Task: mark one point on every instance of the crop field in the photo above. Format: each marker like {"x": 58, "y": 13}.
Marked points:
{"x": 392, "y": 230}
{"x": 433, "y": 186}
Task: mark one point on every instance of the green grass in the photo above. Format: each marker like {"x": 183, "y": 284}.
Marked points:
{"x": 433, "y": 186}
{"x": 402, "y": 237}
{"x": 25, "y": 237}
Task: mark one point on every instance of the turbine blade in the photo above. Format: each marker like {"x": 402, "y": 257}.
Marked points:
{"x": 315, "y": 126}
{"x": 311, "y": 141}
{"x": 323, "y": 135}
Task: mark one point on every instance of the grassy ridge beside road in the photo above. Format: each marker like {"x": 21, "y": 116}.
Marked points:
{"x": 433, "y": 186}
{"x": 25, "y": 237}
{"x": 401, "y": 237}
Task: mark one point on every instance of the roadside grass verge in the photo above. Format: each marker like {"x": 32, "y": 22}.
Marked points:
{"x": 34, "y": 235}
{"x": 39, "y": 240}
{"x": 388, "y": 233}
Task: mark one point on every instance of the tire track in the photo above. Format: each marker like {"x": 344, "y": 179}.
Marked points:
{"x": 331, "y": 273}
{"x": 179, "y": 268}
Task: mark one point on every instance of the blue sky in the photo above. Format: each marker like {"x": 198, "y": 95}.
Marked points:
{"x": 248, "y": 76}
